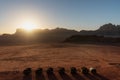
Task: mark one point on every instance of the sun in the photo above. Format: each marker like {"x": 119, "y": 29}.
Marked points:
{"x": 29, "y": 26}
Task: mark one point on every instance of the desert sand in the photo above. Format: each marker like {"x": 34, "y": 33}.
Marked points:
{"x": 105, "y": 58}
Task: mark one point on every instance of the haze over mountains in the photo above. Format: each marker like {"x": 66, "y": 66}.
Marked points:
{"x": 59, "y": 35}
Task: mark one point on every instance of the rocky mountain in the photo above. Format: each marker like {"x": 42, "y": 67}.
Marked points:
{"x": 109, "y": 27}
{"x": 21, "y": 36}
{"x": 106, "y": 34}
{"x": 92, "y": 39}
{"x": 107, "y": 30}
{"x": 59, "y": 35}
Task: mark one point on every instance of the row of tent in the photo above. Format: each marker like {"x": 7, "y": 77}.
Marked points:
{"x": 61, "y": 70}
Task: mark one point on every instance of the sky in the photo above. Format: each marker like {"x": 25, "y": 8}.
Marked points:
{"x": 71, "y": 14}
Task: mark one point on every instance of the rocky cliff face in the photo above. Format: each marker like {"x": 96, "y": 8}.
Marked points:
{"x": 109, "y": 27}
{"x": 59, "y": 35}
{"x": 108, "y": 30}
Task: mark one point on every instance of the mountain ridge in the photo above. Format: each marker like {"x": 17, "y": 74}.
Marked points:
{"x": 57, "y": 35}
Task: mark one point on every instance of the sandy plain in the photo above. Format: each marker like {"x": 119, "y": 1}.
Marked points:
{"x": 105, "y": 58}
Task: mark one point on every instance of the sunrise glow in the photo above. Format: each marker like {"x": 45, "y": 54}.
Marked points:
{"x": 29, "y": 26}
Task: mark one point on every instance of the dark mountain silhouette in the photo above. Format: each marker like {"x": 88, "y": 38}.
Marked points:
{"x": 92, "y": 39}
{"x": 106, "y": 34}
{"x": 38, "y": 35}
{"x": 62, "y": 34}
{"x": 109, "y": 27}
{"x": 107, "y": 30}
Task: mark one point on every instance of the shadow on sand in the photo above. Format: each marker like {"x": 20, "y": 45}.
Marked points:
{"x": 95, "y": 76}
{"x": 90, "y": 77}
{"x": 65, "y": 76}
{"x": 100, "y": 77}
{"x": 40, "y": 77}
{"x": 51, "y": 76}
{"x": 27, "y": 77}
{"x": 77, "y": 76}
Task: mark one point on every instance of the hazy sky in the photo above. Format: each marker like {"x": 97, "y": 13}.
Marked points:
{"x": 73, "y": 14}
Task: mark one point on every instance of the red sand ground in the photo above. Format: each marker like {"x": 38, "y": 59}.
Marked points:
{"x": 105, "y": 58}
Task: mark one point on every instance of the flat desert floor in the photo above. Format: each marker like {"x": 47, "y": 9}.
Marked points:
{"x": 105, "y": 58}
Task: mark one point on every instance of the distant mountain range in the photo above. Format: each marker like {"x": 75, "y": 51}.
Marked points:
{"x": 58, "y": 35}
{"x": 37, "y": 36}
{"x": 107, "y": 30}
